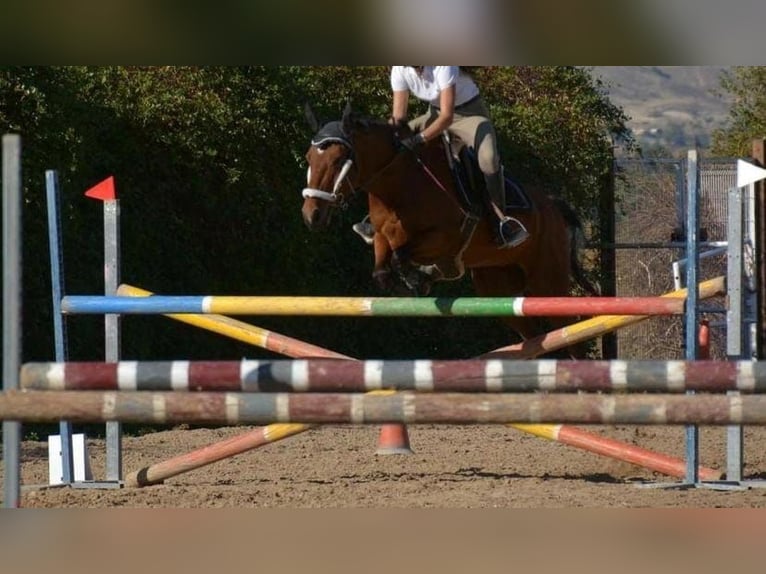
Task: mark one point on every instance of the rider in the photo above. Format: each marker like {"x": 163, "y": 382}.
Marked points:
{"x": 454, "y": 105}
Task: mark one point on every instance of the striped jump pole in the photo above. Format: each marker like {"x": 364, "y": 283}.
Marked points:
{"x": 140, "y": 407}
{"x": 594, "y": 327}
{"x": 252, "y": 335}
{"x": 372, "y": 306}
{"x": 244, "y": 442}
{"x": 333, "y": 375}
{"x": 576, "y": 437}
{"x": 245, "y": 332}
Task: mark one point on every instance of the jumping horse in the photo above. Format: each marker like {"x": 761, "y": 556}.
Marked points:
{"x": 425, "y": 232}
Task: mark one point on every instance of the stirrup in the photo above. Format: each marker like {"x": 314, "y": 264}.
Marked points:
{"x": 511, "y": 238}
{"x": 365, "y": 230}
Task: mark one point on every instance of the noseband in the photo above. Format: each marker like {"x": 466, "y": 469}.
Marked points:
{"x": 335, "y": 196}
{"x": 330, "y": 134}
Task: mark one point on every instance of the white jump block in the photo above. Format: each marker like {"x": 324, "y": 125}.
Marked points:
{"x": 80, "y": 459}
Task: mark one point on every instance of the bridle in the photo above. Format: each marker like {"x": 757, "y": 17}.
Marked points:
{"x": 334, "y": 197}
{"x": 321, "y": 141}
{"x": 333, "y": 135}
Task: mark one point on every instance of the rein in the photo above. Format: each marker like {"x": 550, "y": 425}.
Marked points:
{"x": 338, "y": 198}
{"x": 438, "y": 183}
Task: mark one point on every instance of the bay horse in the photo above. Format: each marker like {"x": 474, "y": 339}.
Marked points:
{"x": 422, "y": 231}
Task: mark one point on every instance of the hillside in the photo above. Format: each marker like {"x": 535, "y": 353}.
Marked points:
{"x": 669, "y": 106}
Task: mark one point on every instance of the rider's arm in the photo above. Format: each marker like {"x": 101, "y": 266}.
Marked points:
{"x": 401, "y": 99}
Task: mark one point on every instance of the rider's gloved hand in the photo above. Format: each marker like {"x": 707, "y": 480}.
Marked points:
{"x": 413, "y": 143}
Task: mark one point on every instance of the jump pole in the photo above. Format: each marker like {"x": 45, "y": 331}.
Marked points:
{"x": 247, "y": 333}
{"x": 448, "y": 376}
{"x": 239, "y": 444}
{"x": 143, "y": 407}
{"x": 592, "y": 328}
{"x": 244, "y": 332}
{"x": 372, "y": 306}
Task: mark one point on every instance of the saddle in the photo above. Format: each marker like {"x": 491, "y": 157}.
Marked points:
{"x": 469, "y": 180}
{"x": 474, "y": 199}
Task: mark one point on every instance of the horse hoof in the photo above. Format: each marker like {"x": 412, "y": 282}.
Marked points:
{"x": 413, "y": 282}
{"x": 384, "y": 281}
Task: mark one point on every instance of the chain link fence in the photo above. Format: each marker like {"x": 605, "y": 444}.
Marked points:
{"x": 650, "y": 213}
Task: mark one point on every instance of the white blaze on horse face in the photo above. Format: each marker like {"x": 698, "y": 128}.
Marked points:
{"x": 308, "y": 176}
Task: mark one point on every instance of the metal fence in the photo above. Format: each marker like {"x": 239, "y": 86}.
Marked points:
{"x": 650, "y": 213}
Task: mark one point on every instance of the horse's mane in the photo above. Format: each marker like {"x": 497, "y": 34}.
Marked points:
{"x": 342, "y": 130}
{"x": 368, "y": 122}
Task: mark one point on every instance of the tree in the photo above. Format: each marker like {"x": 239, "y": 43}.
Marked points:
{"x": 556, "y": 125}
{"x": 208, "y": 163}
{"x": 746, "y": 85}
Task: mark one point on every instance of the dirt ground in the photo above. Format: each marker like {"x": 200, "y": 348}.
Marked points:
{"x": 451, "y": 467}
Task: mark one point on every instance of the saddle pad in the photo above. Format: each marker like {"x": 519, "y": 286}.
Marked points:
{"x": 515, "y": 196}
{"x": 471, "y": 184}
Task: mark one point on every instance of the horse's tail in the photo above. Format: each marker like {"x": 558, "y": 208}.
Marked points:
{"x": 575, "y": 235}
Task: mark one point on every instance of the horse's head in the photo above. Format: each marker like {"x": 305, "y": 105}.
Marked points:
{"x": 335, "y": 149}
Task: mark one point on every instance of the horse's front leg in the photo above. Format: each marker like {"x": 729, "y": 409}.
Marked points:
{"x": 414, "y": 278}
{"x": 382, "y": 274}
{"x": 389, "y": 247}
{"x": 394, "y": 271}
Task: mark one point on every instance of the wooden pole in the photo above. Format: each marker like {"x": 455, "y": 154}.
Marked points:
{"x": 591, "y": 328}
{"x": 139, "y": 407}
{"x": 466, "y": 375}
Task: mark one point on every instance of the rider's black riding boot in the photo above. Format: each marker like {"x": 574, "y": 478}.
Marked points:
{"x": 507, "y": 231}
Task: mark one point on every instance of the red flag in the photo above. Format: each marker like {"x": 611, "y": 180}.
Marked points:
{"x": 103, "y": 190}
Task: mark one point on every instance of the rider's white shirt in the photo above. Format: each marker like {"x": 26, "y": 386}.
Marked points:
{"x": 433, "y": 79}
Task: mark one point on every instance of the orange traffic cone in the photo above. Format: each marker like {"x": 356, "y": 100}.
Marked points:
{"x": 393, "y": 439}
{"x": 703, "y": 338}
